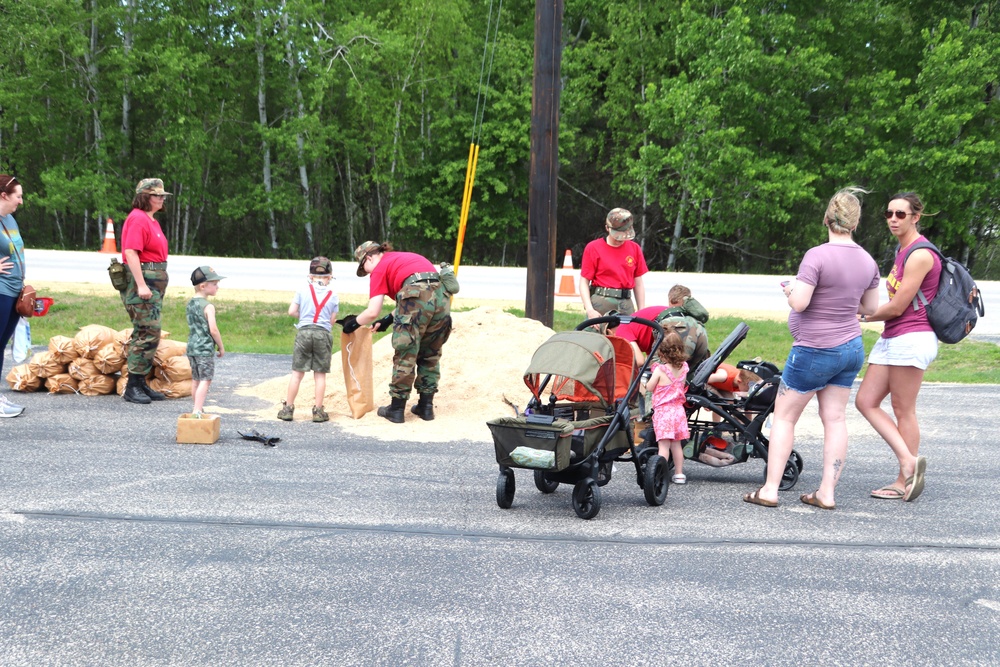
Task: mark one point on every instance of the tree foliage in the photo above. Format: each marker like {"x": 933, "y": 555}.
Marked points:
{"x": 297, "y": 127}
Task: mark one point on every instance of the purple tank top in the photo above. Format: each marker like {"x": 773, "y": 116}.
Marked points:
{"x": 911, "y": 320}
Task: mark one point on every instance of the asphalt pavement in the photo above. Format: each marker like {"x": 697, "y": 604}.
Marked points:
{"x": 120, "y": 547}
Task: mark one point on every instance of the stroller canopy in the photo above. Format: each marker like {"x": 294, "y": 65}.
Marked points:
{"x": 582, "y": 366}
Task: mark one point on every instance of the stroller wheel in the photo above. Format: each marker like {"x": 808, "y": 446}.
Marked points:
{"x": 587, "y": 499}
{"x": 505, "y": 488}
{"x": 655, "y": 478}
{"x": 544, "y": 485}
{"x": 789, "y": 477}
{"x": 798, "y": 459}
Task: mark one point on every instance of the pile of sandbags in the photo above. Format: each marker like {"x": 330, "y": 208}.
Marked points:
{"x": 92, "y": 363}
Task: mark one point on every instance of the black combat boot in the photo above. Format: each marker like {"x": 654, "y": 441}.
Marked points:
{"x": 394, "y": 412}
{"x": 133, "y": 391}
{"x": 153, "y": 395}
{"x": 424, "y": 407}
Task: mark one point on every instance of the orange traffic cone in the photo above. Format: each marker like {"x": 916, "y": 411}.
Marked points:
{"x": 109, "y": 239}
{"x": 567, "y": 285}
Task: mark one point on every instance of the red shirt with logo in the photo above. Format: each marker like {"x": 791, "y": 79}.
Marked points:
{"x": 606, "y": 266}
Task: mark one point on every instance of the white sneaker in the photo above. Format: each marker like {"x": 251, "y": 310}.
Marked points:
{"x": 8, "y": 409}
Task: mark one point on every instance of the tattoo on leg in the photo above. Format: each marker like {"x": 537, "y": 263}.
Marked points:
{"x": 838, "y": 466}
{"x": 782, "y": 388}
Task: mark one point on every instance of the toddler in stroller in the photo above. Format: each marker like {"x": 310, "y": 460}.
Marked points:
{"x": 730, "y": 427}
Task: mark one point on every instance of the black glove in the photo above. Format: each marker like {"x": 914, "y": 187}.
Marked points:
{"x": 384, "y": 323}
{"x": 350, "y": 323}
{"x": 260, "y": 437}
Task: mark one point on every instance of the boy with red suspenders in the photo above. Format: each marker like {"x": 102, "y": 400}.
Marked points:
{"x": 316, "y": 307}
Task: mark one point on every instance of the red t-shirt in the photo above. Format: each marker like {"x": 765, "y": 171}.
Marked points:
{"x": 640, "y": 334}
{"x": 617, "y": 268}
{"x": 143, "y": 234}
{"x": 395, "y": 267}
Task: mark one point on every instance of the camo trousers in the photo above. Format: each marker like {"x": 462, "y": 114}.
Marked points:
{"x": 145, "y": 316}
{"x": 421, "y": 326}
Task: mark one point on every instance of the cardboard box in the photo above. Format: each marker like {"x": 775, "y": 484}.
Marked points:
{"x": 204, "y": 431}
{"x": 637, "y": 427}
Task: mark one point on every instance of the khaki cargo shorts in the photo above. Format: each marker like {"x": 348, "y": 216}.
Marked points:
{"x": 313, "y": 349}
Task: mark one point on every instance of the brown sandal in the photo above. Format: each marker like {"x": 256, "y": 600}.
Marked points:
{"x": 755, "y": 499}
{"x": 811, "y": 499}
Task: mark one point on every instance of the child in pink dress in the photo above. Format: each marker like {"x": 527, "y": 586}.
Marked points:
{"x": 668, "y": 383}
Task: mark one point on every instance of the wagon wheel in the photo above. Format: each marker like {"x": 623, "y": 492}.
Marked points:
{"x": 798, "y": 460}
{"x": 544, "y": 485}
{"x": 587, "y": 499}
{"x": 505, "y": 488}
{"x": 655, "y": 484}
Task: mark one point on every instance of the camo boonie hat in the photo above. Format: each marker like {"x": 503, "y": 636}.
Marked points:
{"x": 151, "y": 186}
{"x": 320, "y": 266}
{"x": 362, "y": 251}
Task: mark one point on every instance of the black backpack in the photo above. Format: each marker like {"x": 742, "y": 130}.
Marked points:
{"x": 958, "y": 305}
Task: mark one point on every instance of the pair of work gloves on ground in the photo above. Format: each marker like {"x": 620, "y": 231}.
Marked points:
{"x": 350, "y": 323}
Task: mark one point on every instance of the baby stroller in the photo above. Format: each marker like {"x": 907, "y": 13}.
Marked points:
{"x": 738, "y": 434}
{"x": 585, "y": 425}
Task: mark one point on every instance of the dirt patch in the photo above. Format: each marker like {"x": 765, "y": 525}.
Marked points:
{"x": 482, "y": 362}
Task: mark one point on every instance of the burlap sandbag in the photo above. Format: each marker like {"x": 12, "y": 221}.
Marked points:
{"x": 61, "y": 383}
{"x": 22, "y": 378}
{"x": 91, "y": 338}
{"x": 174, "y": 369}
{"x": 62, "y": 348}
{"x": 45, "y": 365}
{"x": 356, "y": 357}
{"x": 110, "y": 358}
{"x": 96, "y": 385}
{"x": 171, "y": 389}
{"x": 122, "y": 337}
{"x": 121, "y": 383}
{"x": 81, "y": 369}
{"x": 167, "y": 349}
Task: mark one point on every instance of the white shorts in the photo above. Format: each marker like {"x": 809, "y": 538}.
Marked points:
{"x": 917, "y": 349}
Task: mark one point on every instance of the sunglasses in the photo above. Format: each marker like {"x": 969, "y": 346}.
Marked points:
{"x": 900, "y": 215}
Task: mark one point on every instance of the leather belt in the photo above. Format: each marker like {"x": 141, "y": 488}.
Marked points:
{"x": 612, "y": 293}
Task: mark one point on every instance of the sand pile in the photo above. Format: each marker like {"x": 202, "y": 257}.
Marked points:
{"x": 483, "y": 360}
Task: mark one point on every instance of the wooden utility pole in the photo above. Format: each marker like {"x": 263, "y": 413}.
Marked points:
{"x": 542, "y": 187}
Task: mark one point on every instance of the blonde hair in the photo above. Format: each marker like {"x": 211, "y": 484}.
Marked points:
{"x": 843, "y": 213}
{"x": 671, "y": 350}
{"x": 677, "y": 294}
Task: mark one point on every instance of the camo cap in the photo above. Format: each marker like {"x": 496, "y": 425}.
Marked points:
{"x": 151, "y": 186}
{"x": 619, "y": 220}
{"x": 362, "y": 251}
{"x": 320, "y": 266}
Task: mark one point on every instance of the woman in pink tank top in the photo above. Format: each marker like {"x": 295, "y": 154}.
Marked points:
{"x": 907, "y": 346}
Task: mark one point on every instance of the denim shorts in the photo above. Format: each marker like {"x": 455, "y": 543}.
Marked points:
{"x": 811, "y": 368}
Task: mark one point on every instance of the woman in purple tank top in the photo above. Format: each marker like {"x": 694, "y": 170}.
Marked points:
{"x": 907, "y": 346}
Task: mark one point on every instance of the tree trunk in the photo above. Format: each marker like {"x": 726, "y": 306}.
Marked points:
{"x": 678, "y": 228}
{"x": 264, "y": 145}
{"x": 127, "y": 38}
{"x": 299, "y": 140}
